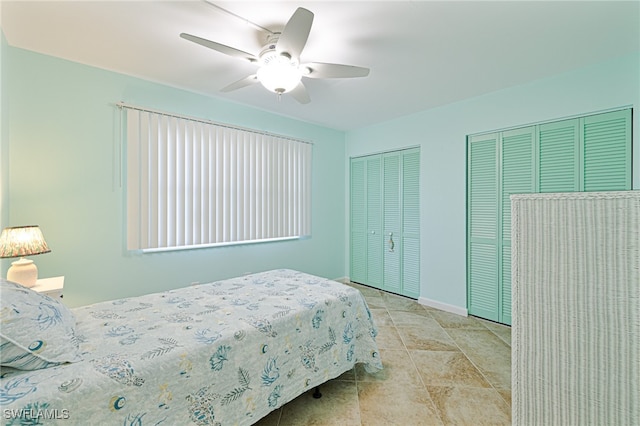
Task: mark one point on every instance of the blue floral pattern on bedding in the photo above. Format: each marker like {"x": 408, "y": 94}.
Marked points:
{"x": 223, "y": 353}
{"x": 36, "y": 331}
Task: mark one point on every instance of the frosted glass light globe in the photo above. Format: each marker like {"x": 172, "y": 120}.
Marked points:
{"x": 279, "y": 74}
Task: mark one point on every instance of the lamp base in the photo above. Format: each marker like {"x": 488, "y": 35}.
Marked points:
{"x": 24, "y": 272}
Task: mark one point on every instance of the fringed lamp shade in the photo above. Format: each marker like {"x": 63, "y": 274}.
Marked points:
{"x": 22, "y": 241}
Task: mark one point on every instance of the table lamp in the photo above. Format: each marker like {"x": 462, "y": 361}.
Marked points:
{"x": 20, "y": 241}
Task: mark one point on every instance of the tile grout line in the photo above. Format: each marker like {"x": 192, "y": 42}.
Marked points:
{"x": 482, "y": 373}
{"x": 433, "y": 404}
{"x": 477, "y": 367}
{"x": 430, "y": 315}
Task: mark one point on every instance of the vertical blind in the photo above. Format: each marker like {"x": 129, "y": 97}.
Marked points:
{"x": 193, "y": 183}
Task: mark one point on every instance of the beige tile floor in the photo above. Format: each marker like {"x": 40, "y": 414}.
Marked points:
{"x": 440, "y": 369}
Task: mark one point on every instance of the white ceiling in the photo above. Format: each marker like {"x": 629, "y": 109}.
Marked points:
{"x": 422, "y": 54}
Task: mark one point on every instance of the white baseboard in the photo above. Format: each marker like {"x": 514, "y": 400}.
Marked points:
{"x": 428, "y": 302}
{"x": 443, "y": 306}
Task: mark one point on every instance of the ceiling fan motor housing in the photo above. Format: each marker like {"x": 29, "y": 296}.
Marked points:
{"x": 268, "y": 52}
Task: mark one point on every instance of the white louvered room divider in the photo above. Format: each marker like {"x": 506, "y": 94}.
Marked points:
{"x": 576, "y": 308}
{"x": 194, "y": 183}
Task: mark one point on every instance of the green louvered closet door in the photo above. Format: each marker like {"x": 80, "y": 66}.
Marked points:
{"x": 392, "y": 250}
{"x": 366, "y": 220}
{"x": 607, "y": 152}
{"x": 374, "y": 222}
{"x": 517, "y": 177}
{"x": 558, "y": 149}
{"x": 358, "y": 220}
{"x": 411, "y": 223}
{"x": 482, "y": 227}
{"x": 591, "y": 153}
{"x": 385, "y": 240}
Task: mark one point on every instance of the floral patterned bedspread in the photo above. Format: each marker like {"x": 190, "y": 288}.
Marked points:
{"x": 223, "y": 353}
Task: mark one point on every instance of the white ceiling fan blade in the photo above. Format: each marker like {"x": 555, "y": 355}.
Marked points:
{"x": 300, "y": 94}
{"x": 220, "y": 47}
{"x": 247, "y": 81}
{"x": 295, "y": 34}
{"x": 323, "y": 70}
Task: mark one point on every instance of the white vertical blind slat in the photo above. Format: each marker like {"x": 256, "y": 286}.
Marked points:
{"x": 259, "y": 191}
{"x": 289, "y": 193}
{"x": 224, "y": 194}
{"x": 172, "y": 158}
{"x": 240, "y": 214}
{"x": 133, "y": 180}
{"x": 160, "y": 237}
{"x": 273, "y": 182}
{"x": 219, "y": 193}
{"x": 188, "y": 198}
{"x": 211, "y": 162}
{"x": 251, "y": 184}
{"x": 295, "y": 198}
{"x": 306, "y": 204}
{"x": 147, "y": 183}
{"x": 191, "y": 183}
{"x": 196, "y": 176}
{"x": 154, "y": 181}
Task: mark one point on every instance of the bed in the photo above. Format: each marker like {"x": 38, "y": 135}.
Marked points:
{"x": 223, "y": 353}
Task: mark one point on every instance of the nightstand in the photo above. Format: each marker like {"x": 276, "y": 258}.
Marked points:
{"x": 52, "y": 287}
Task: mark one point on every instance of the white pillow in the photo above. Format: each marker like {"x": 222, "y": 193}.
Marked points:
{"x": 36, "y": 331}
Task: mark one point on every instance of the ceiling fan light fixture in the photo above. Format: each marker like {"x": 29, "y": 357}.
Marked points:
{"x": 279, "y": 74}
{"x": 280, "y": 70}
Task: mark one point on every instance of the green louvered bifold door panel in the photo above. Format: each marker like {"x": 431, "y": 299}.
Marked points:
{"x": 411, "y": 223}
{"x": 374, "y": 221}
{"x": 591, "y": 153}
{"x": 517, "y": 177}
{"x": 392, "y": 223}
{"x": 482, "y": 227}
{"x": 558, "y": 152}
{"x": 385, "y": 221}
{"x": 607, "y": 151}
{"x": 358, "y": 219}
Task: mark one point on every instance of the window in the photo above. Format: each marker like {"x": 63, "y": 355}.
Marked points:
{"x": 194, "y": 183}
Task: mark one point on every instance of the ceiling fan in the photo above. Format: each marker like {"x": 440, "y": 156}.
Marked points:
{"x": 280, "y": 70}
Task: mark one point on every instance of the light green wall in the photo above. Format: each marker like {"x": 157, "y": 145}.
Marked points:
{"x": 4, "y": 142}
{"x": 441, "y": 134}
{"x": 60, "y": 163}
{"x": 64, "y": 169}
